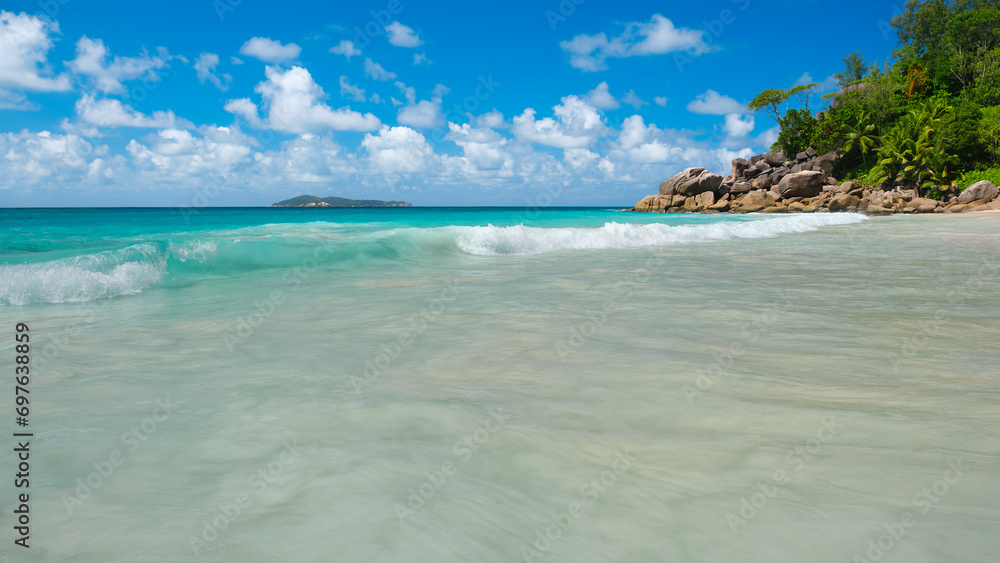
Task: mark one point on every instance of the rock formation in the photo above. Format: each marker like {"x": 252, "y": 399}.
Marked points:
{"x": 770, "y": 183}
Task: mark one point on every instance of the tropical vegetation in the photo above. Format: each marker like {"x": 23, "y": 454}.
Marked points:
{"x": 928, "y": 119}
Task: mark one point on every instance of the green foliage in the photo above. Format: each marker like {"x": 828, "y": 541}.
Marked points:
{"x": 855, "y": 69}
{"x": 989, "y": 130}
{"x": 798, "y": 128}
{"x": 990, "y": 174}
{"x": 921, "y": 120}
{"x": 960, "y": 131}
{"x": 913, "y": 151}
{"x": 987, "y": 75}
{"x": 771, "y": 98}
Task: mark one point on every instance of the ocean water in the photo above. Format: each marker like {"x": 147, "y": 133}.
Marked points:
{"x": 503, "y": 385}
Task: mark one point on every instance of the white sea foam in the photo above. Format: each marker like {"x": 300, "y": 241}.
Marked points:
{"x": 83, "y": 278}
{"x": 491, "y": 240}
{"x": 199, "y": 250}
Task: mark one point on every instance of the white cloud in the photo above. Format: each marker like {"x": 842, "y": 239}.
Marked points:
{"x": 420, "y": 58}
{"x": 351, "y": 91}
{"x": 713, "y": 103}
{"x": 246, "y": 109}
{"x": 43, "y": 158}
{"x": 738, "y": 125}
{"x": 483, "y": 148}
{"x": 660, "y": 101}
{"x": 92, "y": 60}
{"x": 15, "y": 101}
{"x": 396, "y": 150}
{"x": 205, "y": 66}
{"x": 576, "y": 124}
{"x": 24, "y": 45}
{"x": 492, "y": 119}
{"x": 601, "y": 98}
{"x": 425, "y": 113}
{"x": 633, "y": 100}
{"x": 178, "y": 153}
{"x": 294, "y": 104}
{"x": 236, "y": 60}
{"x": 346, "y": 48}
{"x": 658, "y": 37}
{"x": 409, "y": 93}
{"x": 113, "y": 113}
{"x": 375, "y": 71}
{"x": 270, "y": 51}
{"x": 402, "y": 36}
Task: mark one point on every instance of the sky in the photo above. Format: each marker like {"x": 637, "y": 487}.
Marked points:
{"x": 521, "y": 102}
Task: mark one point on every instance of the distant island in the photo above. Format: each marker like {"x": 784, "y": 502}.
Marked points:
{"x": 313, "y": 201}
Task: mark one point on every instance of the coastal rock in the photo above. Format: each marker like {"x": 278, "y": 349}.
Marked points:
{"x": 847, "y": 187}
{"x": 706, "y": 199}
{"x": 653, "y": 204}
{"x": 757, "y": 199}
{"x": 801, "y": 184}
{"x": 690, "y": 182}
{"x": 740, "y": 166}
{"x": 878, "y": 210}
{"x": 740, "y": 188}
{"x": 984, "y": 190}
{"x": 923, "y": 205}
{"x": 844, "y": 202}
{"x": 774, "y": 158}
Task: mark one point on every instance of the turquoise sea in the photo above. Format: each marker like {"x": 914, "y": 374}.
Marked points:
{"x": 503, "y": 385}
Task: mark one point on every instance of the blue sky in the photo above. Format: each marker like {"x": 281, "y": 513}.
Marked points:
{"x": 238, "y": 102}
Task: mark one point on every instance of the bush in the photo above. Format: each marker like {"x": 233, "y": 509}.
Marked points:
{"x": 989, "y": 130}
{"x": 798, "y": 127}
{"x": 960, "y": 130}
{"x": 991, "y": 174}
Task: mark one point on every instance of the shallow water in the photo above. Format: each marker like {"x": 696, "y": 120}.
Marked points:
{"x": 498, "y": 385}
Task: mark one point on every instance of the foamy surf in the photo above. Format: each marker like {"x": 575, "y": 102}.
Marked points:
{"x": 83, "y": 278}
{"x": 521, "y": 240}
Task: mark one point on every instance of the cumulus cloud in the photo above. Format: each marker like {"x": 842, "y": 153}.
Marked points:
{"x": 492, "y": 119}
{"x": 375, "y": 71}
{"x": 660, "y": 101}
{"x": 24, "y": 45}
{"x": 270, "y": 51}
{"x": 179, "y": 153}
{"x": 93, "y": 61}
{"x": 714, "y": 103}
{"x": 738, "y": 125}
{"x": 113, "y": 113}
{"x": 576, "y": 124}
{"x": 205, "y": 65}
{"x": 601, "y": 98}
{"x": 420, "y": 59}
{"x": 658, "y": 37}
{"x": 397, "y": 150}
{"x": 293, "y": 102}
{"x": 346, "y": 48}
{"x": 425, "y": 113}
{"x": 402, "y": 36}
